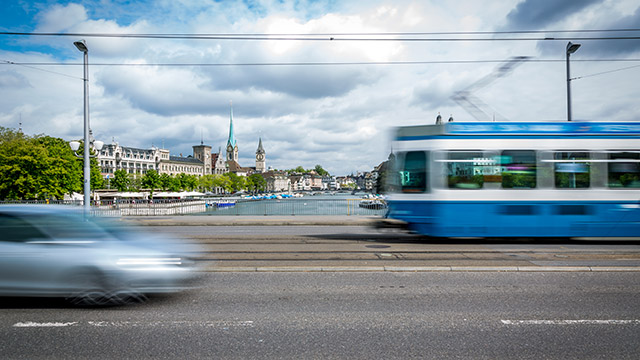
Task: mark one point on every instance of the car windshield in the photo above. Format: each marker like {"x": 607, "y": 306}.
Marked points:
{"x": 68, "y": 226}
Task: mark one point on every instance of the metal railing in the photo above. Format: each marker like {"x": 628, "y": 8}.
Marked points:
{"x": 227, "y": 206}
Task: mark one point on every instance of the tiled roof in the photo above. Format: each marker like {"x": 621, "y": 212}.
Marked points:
{"x": 187, "y": 160}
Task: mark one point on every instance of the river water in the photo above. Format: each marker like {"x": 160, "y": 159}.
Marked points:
{"x": 322, "y": 204}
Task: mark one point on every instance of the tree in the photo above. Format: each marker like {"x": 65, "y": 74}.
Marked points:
{"x": 321, "y": 171}
{"x": 120, "y": 180}
{"x": 223, "y": 182}
{"x": 256, "y": 183}
{"x": 205, "y": 182}
{"x": 62, "y": 170}
{"x": 165, "y": 181}
{"x": 151, "y": 180}
{"x": 237, "y": 183}
{"x": 39, "y": 167}
{"x": 187, "y": 182}
{"x": 135, "y": 183}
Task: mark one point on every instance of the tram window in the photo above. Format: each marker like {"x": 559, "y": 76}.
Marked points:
{"x": 467, "y": 169}
{"x": 624, "y": 170}
{"x": 572, "y": 169}
{"x": 518, "y": 169}
{"x": 413, "y": 175}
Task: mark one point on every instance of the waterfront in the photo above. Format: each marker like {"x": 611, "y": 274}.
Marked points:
{"x": 323, "y": 204}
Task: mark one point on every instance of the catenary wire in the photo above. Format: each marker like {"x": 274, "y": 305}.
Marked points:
{"x": 335, "y": 37}
{"x": 311, "y": 63}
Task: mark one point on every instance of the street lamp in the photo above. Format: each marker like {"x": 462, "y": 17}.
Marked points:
{"x": 571, "y": 48}
{"x": 82, "y": 46}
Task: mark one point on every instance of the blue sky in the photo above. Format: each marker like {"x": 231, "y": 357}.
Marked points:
{"x": 338, "y": 116}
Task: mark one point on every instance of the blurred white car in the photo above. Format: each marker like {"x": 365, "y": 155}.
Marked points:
{"x": 54, "y": 251}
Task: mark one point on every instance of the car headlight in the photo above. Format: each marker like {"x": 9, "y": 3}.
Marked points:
{"x": 150, "y": 261}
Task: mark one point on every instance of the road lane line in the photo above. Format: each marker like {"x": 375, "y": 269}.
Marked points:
{"x": 219, "y": 323}
{"x": 46, "y": 324}
{"x": 571, "y": 322}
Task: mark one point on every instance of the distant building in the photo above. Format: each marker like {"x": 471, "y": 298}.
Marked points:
{"x": 137, "y": 161}
{"x": 134, "y": 161}
{"x": 277, "y": 181}
{"x": 261, "y": 164}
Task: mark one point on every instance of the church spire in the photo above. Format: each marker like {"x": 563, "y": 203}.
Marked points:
{"x": 260, "y": 148}
{"x": 232, "y": 138}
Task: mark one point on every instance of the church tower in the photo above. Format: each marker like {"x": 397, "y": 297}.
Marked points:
{"x": 202, "y": 152}
{"x": 260, "y": 158}
{"x": 232, "y": 145}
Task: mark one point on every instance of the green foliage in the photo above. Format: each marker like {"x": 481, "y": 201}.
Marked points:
{"x": 40, "y": 167}
{"x": 135, "y": 183}
{"x": 165, "y": 181}
{"x": 120, "y": 180}
{"x": 236, "y": 183}
{"x": 187, "y": 182}
{"x": 256, "y": 183}
{"x": 512, "y": 180}
{"x": 151, "y": 181}
{"x": 466, "y": 182}
{"x": 205, "y": 182}
{"x": 628, "y": 179}
{"x": 320, "y": 171}
{"x": 572, "y": 180}
{"x": 223, "y": 182}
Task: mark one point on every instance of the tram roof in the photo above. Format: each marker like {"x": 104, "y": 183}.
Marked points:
{"x": 518, "y": 128}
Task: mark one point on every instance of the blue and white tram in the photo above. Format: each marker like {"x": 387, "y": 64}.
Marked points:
{"x": 551, "y": 179}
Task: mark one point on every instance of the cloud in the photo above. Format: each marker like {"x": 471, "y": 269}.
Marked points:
{"x": 606, "y": 48}
{"x": 338, "y": 116}
{"x": 536, "y": 14}
{"x": 13, "y": 80}
{"x": 61, "y": 18}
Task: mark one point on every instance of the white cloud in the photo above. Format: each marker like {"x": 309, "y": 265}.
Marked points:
{"x": 336, "y": 116}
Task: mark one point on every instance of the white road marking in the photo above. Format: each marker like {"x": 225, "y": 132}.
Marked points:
{"x": 220, "y": 323}
{"x": 570, "y": 322}
{"x": 46, "y": 324}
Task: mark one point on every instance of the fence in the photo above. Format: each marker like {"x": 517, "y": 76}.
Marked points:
{"x": 130, "y": 207}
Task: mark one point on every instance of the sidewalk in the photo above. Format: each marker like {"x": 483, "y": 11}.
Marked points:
{"x": 253, "y": 220}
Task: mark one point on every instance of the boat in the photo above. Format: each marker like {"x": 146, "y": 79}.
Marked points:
{"x": 373, "y": 204}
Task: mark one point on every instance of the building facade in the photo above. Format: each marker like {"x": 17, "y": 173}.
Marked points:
{"x": 134, "y": 161}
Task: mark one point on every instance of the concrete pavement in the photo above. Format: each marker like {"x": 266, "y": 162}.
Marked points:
{"x": 307, "y": 220}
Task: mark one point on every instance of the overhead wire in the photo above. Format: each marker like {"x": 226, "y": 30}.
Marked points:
{"x": 357, "y": 36}
{"x": 311, "y": 63}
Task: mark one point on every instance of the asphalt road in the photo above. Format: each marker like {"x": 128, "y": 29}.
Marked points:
{"x": 295, "y": 315}
{"x": 362, "y": 248}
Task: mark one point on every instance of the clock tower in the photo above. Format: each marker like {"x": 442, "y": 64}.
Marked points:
{"x": 260, "y": 158}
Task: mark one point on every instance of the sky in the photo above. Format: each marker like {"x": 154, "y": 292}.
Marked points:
{"x": 311, "y": 99}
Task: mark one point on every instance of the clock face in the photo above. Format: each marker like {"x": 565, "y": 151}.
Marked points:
{"x": 229, "y": 148}
{"x": 260, "y": 157}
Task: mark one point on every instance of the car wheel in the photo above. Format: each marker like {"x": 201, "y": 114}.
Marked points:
{"x": 92, "y": 288}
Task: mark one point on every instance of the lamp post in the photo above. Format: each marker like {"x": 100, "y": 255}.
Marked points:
{"x": 88, "y": 141}
{"x": 571, "y": 48}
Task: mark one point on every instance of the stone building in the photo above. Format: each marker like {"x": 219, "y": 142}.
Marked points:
{"x": 134, "y": 161}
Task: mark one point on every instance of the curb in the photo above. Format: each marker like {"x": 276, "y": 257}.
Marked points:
{"x": 427, "y": 269}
